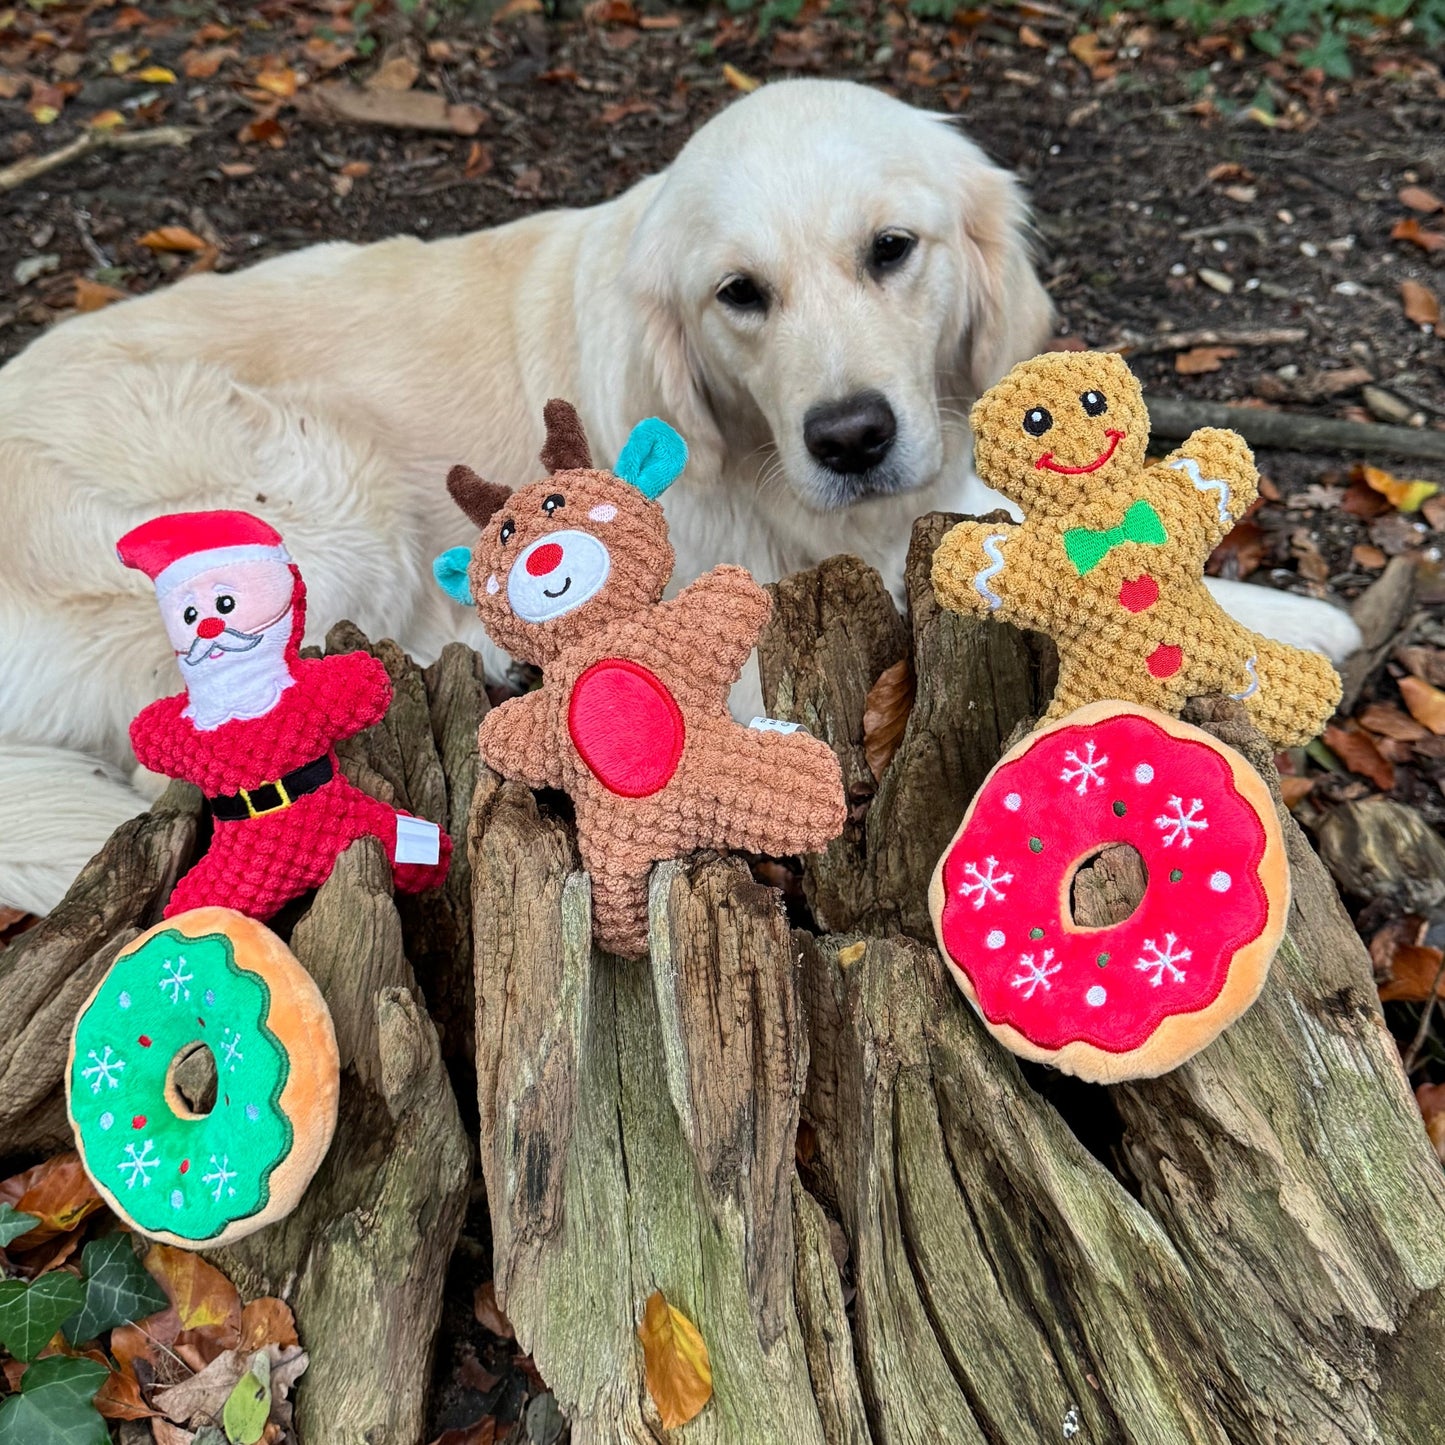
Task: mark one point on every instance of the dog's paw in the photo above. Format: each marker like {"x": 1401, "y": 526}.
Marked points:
{"x": 1298, "y": 621}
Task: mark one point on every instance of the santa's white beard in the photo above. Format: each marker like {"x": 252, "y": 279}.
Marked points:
{"x": 239, "y": 685}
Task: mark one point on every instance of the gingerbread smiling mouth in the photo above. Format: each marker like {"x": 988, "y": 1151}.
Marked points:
{"x": 1047, "y": 460}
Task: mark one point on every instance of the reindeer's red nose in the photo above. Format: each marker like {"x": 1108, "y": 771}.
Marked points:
{"x": 210, "y": 627}
{"x": 545, "y": 559}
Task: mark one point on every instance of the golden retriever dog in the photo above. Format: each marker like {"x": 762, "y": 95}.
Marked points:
{"x": 812, "y": 294}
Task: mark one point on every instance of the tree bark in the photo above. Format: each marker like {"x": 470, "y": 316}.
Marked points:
{"x": 1250, "y": 1249}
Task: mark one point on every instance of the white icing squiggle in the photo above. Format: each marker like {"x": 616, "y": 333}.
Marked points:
{"x": 1190, "y": 468}
{"x": 1253, "y": 682}
{"x": 981, "y": 580}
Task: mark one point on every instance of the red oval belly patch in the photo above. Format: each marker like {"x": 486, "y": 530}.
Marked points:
{"x": 626, "y": 726}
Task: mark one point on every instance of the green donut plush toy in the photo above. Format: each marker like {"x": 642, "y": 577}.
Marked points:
{"x": 216, "y": 978}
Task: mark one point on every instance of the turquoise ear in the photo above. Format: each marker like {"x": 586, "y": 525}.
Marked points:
{"x": 450, "y": 570}
{"x": 653, "y": 458}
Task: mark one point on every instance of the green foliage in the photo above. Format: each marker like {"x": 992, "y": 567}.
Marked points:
{"x": 248, "y": 1406}
{"x": 118, "y": 1289}
{"x": 54, "y": 1404}
{"x": 31, "y": 1313}
{"x": 13, "y": 1224}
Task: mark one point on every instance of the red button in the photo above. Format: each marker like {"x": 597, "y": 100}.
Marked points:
{"x": 547, "y": 558}
{"x": 1138, "y": 594}
{"x": 210, "y": 627}
{"x": 1166, "y": 660}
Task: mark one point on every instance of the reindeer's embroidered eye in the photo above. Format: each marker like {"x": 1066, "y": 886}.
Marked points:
{"x": 1094, "y": 403}
{"x": 225, "y": 603}
{"x": 509, "y": 530}
{"x": 555, "y": 501}
{"x": 1037, "y": 421}
{"x": 189, "y": 616}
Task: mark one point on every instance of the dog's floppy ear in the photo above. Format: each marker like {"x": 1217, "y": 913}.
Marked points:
{"x": 479, "y": 499}
{"x": 565, "y": 449}
{"x": 653, "y": 458}
{"x": 1010, "y": 316}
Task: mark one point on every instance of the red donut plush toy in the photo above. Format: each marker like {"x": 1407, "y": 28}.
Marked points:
{"x": 1138, "y": 998}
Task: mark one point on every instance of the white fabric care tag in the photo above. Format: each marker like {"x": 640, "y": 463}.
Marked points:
{"x": 417, "y": 841}
{"x": 774, "y": 725}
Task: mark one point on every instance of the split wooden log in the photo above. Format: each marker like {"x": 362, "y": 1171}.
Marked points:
{"x": 1251, "y": 1249}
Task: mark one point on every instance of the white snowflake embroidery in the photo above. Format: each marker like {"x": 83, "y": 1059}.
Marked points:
{"x": 232, "y": 1055}
{"x": 1180, "y": 826}
{"x": 1036, "y": 975}
{"x": 985, "y": 886}
{"x": 1087, "y": 769}
{"x": 221, "y": 1175}
{"x": 1164, "y": 960}
{"x": 104, "y": 1070}
{"x": 176, "y": 979}
{"x": 139, "y": 1162}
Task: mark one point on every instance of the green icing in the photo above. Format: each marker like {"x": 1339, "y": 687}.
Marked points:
{"x": 188, "y": 1176}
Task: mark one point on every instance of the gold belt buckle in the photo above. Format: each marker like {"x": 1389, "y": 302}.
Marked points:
{"x": 281, "y": 793}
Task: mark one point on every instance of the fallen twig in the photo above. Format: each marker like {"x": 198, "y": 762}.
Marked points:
{"x": 1289, "y": 431}
{"x": 1183, "y": 340}
{"x": 92, "y": 140}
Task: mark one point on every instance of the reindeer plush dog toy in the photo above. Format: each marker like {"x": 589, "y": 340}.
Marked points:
{"x": 632, "y": 716}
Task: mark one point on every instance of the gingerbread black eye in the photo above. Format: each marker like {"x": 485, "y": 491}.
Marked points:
{"x": 1037, "y": 421}
{"x": 189, "y": 616}
{"x": 509, "y": 529}
{"x": 225, "y": 603}
{"x": 1094, "y": 403}
{"x": 553, "y": 502}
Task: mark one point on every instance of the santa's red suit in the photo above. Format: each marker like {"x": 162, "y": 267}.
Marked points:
{"x": 283, "y": 812}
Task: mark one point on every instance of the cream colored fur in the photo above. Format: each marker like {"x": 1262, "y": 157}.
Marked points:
{"x": 330, "y": 390}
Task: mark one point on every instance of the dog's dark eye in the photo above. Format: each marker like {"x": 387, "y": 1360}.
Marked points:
{"x": 1094, "y": 403}
{"x": 1037, "y": 421}
{"x": 742, "y": 293}
{"x": 509, "y": 529}
{"x": 189, "y": 616}
{"x": 553, "y": 502}
{"x": 890, "y": 249}
{"x": 225, "y": 603}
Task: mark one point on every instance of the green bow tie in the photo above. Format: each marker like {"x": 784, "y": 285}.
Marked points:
{"x": 1086, "y": 548}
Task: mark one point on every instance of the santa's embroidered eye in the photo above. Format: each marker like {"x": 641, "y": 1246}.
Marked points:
{"x": 225, "y": 603}
{"x": 1094, "y": 403}
{"x": 189, "y": 616}
{"x": 509, "y": 530}
{"x": 1037, "y": 421}
{"x": 553, "y": 502}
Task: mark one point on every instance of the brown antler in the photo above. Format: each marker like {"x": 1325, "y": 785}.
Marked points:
{"x": 478, "y": 498}
{"x": 565, "y": 449}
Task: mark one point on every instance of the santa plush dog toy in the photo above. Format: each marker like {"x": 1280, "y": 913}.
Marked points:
{"x": 257, "y": 725}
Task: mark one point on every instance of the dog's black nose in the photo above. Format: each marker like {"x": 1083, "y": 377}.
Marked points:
{"x": 852, "y": 435}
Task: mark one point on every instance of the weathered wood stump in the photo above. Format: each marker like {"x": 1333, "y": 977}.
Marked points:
{"x": 1250, "y": 1249}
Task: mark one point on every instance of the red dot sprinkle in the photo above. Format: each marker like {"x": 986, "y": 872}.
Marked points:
{"x": 139, "y": 1122}
{"x": 185, "y": 1164}
{"x": 144, "y": 1041}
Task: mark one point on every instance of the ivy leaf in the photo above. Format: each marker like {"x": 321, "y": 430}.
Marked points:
{"x": 54, "y": 1404}
{"x": 31, "y": 1313}
{"x": 13, "y": 1223}
{"x": 118, "y": 1289}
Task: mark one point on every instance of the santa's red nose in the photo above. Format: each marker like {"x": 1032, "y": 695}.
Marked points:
{"x": 210, "y": 627}
{"x": 545, "y": 559}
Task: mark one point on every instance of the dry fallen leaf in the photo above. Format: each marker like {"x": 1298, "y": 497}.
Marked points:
{"x": 172, "y": 238}
{"x": 1387, "y": 721}
{"x": 1426, "y": 703}
{"x": 206, "y": 1302}
{"x": 1231, "y": 171}
{"x": 740, "y": 79}
{"x": 1409, "y": 229}
{"x": 1421, "y": 304}
{"x": 156, "y": 75}
{"x": 1357, "y": 751}
{"x": 335, "y": 100}
{"x": 278, "y": 80}
{"x": 484, "y": 1432}
{"x": 489, "y": 1312}
{"x": 399, "y": 72}
{"x": 1423, "y": 662}
{"x": 58, "y": 1193}
{"x": 234, "y": 170}
{"x": 885, "y": 715}
{"x": 1240, "y": 553}
{"x": 93, "y": 295}
{"x": 1199, "y": 359}
{"x": 203, "y": 64}
{"x": 1294, "y": 790}
{"x": 1419, "y": 199}
{"x": 1414, "y": 970}
{"x": 267, "y": 1321}
{"x": 1031, "y": 37}
{"x": 1404, "y": 496}
{"x": 675, "y": 1362}
{"x": 517, "y": 7}
{"x": 1431, "y": 1101}
{"x": 1368, "y": 556}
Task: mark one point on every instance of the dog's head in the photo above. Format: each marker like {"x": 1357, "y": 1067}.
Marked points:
{"x": 558, "y": 558}
{"x": 829, "y": 276}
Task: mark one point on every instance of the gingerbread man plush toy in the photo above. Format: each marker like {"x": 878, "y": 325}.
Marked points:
{"x": 1110, "y": 558}
{"x": 632, "y": 716}
{"x": 256, "y": 726}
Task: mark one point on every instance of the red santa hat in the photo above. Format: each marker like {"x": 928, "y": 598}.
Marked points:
{"x": 171, "y": 550}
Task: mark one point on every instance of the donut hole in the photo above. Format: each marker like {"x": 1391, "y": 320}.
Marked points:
{"x": 1108, "y": 886}
{"x": 191, "y": 1081}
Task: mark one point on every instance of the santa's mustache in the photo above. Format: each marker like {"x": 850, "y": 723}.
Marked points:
{"x": 230, "y": 639}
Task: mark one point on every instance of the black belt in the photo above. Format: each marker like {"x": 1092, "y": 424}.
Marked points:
{"x": 273, "y": 797}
